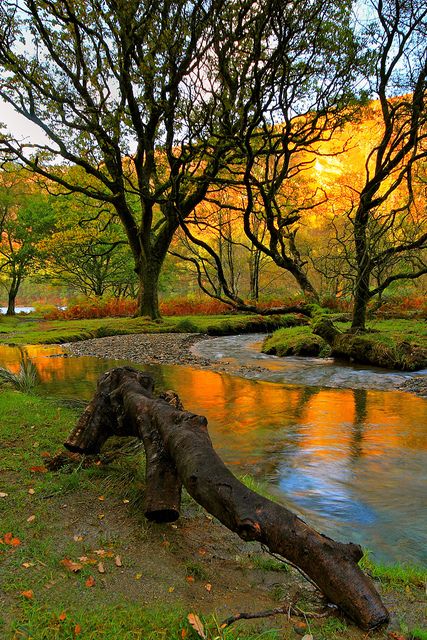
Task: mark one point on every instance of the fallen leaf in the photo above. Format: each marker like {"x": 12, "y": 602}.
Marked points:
{"x": 31, "y": 491}
{"x": 197, "y": 624}
{"x": 38, "y": 469}
{"x": 77, "y": 538}
{"x": 71, "y": 566}
{"x": 184, "y": 633}
{"x": 10, "y": 540}
{"x": 307, "y": 636}
{"x": 190, "y": 579}
{"x": 28, "y": 594}
{"x": 208, "y": 587}
{"x": 101, "y": 567}
{"x": 31, "y": 518}
{"x": 202, "y": 551}
{"x": 118, "y": 561}
{"x": 102, "y": 498}
{"x": 101, "y": 516}
{"x": 77, "y": 630}
{"x": 3, "y": 495}
{"x": 62, "y": 616}
{"x": 125, "y": 501}
{"x": 90, "y": 582}
{"x": 138, "y": 576}
{"x": 45, "y": 454}
{"x": 103, "y": 553}
{"x": 27, "y": 565}
{"x": 171, "y": 589}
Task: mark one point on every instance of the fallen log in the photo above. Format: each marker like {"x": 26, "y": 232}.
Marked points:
{"x": 179, "y": 449}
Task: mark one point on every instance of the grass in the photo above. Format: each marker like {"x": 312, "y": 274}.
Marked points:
{"x": 26, "y": 379}
{"x": 395, "y": 576}
{"x": 21, "y": 331}
{"x": 394, "y": 344}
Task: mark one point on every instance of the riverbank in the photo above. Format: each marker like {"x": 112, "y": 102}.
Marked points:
{"x": 177, "y": 349}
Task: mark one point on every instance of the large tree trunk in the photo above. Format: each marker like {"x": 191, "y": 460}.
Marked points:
{"x": 179, "y": 449}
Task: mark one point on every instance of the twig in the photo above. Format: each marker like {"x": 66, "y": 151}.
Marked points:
{"x": 289, "y": 610}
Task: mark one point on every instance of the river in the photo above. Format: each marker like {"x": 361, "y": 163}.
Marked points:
{"x": 338, "y": 444}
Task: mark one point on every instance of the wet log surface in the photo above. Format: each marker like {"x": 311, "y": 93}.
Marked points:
{"x": 179, "y": 450}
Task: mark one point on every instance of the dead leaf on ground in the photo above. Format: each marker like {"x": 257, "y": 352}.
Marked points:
{"x": 71, "y": 566}
{"x": 197, "y": 624}
{"x": 208, "y": 587}
{"x": 77, "y": 630}
{"x": 10, "y": 540}
{"x": 29, "y": 594}
{"x": 38, "y": 469}
{"x": 78, "y": 538}
{"x": 118, "y": 561}
{"x": 31, "y": 491}
{"x": 190, "y": 579}
{"x": 3, "y": 494}
{"x": 90, "y": 582}
{"x": 27, "y": 565}
{"x": 101, "y": 568}
{"x": 31, "y": 518}
{"x": 62, "y": 616}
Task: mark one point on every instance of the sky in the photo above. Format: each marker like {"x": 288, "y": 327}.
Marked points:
{"x": 19, "y": 126}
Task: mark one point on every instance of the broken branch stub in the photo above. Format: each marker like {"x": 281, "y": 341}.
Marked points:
{"x": 179, "y": 449}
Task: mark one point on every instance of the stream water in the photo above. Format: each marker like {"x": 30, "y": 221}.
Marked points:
{"x": 347, "y": 455}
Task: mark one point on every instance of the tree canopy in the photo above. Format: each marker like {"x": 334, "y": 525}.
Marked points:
{"x": 158, "y": 102}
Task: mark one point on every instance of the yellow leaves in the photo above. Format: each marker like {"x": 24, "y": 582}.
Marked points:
{"x": 171, "y": 589}
{"x": 138, "y": 576}
{"x": 31, "y": 491}
{"x": 197, "y": 625}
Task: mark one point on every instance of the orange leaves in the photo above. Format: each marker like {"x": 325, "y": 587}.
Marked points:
{"x": 10, "y": 540}
{"x": 38, "y": 469}
{"x": 29, "y": 594}
{"x": 197, "y": 624}
{"x": 90, "y": 582}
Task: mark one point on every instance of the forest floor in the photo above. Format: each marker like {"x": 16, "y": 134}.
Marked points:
{"x": 79, "y": 560}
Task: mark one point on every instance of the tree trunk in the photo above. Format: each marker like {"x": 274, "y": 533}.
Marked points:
{"x": 148, "y": 295}
{"x": 179, "y": 449}
{"x": 13, "y": 292}
{"x": 361, "y": 289}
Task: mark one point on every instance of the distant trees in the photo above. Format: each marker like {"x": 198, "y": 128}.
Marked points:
{"x": 156, "y": 101}
{"x": 25, "y": 219}
{"x": 88, "y": 250}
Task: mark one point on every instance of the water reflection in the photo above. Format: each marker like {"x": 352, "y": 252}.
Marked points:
{"x": 351, "y": 462}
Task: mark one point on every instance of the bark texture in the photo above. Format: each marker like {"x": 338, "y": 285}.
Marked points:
{"x": 179, "y": 449}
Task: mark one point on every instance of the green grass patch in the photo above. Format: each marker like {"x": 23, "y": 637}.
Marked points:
{"x": 395, "y": 576}
{"x": 18, "y": 331}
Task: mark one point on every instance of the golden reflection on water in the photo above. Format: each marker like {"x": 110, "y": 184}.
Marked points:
{"x": 341, "y": 457}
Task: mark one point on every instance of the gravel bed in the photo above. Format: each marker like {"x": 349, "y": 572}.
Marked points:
{"x": 143, "y": 348}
